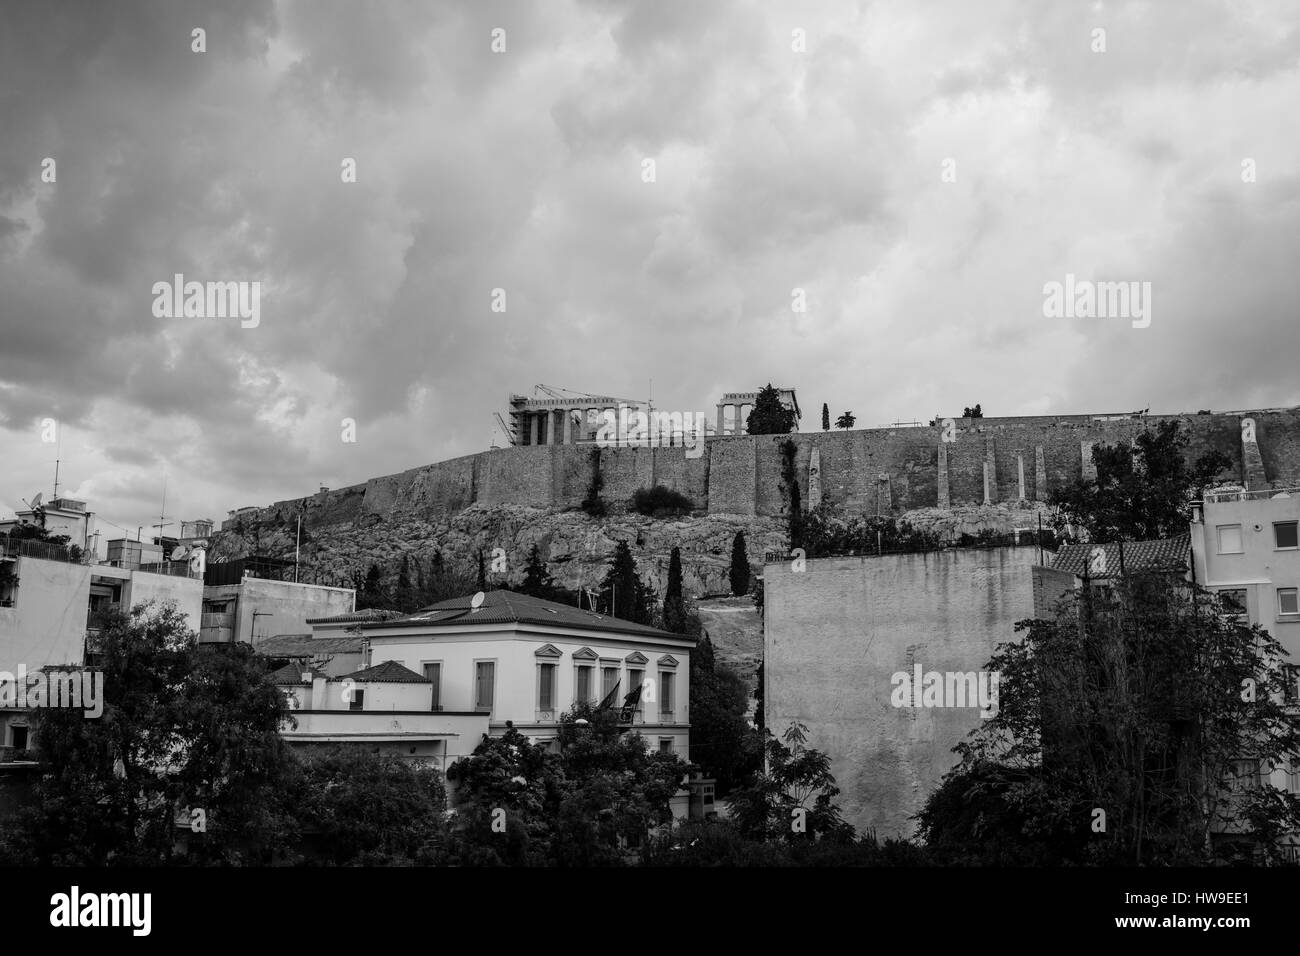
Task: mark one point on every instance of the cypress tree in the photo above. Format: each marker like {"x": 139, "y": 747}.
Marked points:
{"x": 739, "y": 572}
{"x": 627, "y": 593}
{"x": 674, "y": 609}
{"x": 537, "y": 578}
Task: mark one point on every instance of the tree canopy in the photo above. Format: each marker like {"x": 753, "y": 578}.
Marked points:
{"x": 769, "y": 416}
{"x": 1142, "y": 489}
{"x": 1129, "y": 729}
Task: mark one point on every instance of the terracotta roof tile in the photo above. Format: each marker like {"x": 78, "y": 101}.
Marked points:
{"x": 1163, "y": 554}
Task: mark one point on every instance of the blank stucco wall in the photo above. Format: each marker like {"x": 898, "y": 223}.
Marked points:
{"x": 836, "y": 633}
{"x": 47, "y": 624}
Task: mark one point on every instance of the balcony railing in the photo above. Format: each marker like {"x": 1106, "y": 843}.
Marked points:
{"x": 180, "y": 569}
{"x": 22, "y": 547}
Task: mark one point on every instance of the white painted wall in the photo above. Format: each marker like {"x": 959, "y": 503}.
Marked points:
{"x": 47, "y": 624}
{"x": 516, "y": 693}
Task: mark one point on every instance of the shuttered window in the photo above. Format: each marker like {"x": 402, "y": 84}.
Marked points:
{"x": 434, "y": 673}
{"x": 484, "y": 681}
{"x": 546, "y": 687}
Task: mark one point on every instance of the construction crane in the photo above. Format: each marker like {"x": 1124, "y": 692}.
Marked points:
{"x": 502, "y": 423}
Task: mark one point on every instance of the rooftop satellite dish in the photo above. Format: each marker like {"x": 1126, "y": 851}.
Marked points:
{"x": 179, "y": 552}
{"x": 476, "y": 601}
{"x": 36, "y": 501}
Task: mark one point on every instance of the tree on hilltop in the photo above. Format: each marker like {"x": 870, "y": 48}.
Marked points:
{"x": 769, "y": 416}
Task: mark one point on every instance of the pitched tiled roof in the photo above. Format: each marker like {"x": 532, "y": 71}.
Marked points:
{"x": 304, "y": 645}
{"x": 1163, "y": 554}
{"x": 293, "y": 674}
{"x": 507, "y": 607}
{"x": 355, "y": 617}
{"x": 389, "y": 672}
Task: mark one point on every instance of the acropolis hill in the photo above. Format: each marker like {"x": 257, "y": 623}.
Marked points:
{"x": 990, "y": 472}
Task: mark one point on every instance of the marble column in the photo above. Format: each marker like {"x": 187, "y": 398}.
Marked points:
{"x": 568, "y": 425}
{"x": 719, "y": 431}
{"x": 1040, "y": 474}
{"x": 1020, "y": 472}
{"x": 533, "y": 419}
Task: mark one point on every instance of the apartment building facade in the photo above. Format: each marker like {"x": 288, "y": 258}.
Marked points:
{"x": 1246, "y": 547}
{"x": 49, "y": 609}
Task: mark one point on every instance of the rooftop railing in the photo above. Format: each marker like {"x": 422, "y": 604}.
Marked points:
{"x": 1258, "y": 494}
{"x": 23, "y": 547}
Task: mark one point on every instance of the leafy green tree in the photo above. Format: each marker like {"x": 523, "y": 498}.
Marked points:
{"x": 615, "y": 788}
{"x": 358, "y": 807}
{"x": 183, "y": 727}
{"x": 603, "y": 791}
{"x": 760, "y": 716}
{"x": 975, "y": 412}
{"x": 826, "y": 417}
{"x": 1140, "y": 700}
{"x": 793, "y": 798}
{"x": 739, "y": 573}
{"x": 481, "y": 583}
{"x": 1142, "y": 490}
{"x": 827, "y": 532}
{"x": 660, "y": 501}
{"x": 769, "y": 416}
{"x": 719, "y": 731}
{"x": 505, "y": 793}
{"x": 980, "y": 817}
{"x": 847, "y": 420}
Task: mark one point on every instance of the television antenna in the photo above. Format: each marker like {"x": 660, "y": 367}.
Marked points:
{"x": 162, "y": 513}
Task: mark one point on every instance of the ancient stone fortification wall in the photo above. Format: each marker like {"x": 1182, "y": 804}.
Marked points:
{"x": 874, "y": 471}
{"x": 836, "y": 635}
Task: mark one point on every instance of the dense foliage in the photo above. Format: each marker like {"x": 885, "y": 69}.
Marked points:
{"x": 1142, "y": 489}
{"x": 660, "y": 501}
{"x": 1131, "y": 729}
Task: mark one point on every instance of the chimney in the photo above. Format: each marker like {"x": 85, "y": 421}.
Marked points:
{"x": 319, "y": 692}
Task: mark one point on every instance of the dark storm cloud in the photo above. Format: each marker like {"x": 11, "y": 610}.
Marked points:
{"x": 776, "y": 170}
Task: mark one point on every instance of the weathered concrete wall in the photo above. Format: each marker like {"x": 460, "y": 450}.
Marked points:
{"x": 144, "y": 586}
{"x": 282, "y": 607}
{"x": 836, "y": 633}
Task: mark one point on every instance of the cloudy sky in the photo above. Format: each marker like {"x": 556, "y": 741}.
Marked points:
{"x": 919, "y": 169}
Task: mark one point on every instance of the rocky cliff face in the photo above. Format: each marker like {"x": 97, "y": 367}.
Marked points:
{"x": 577, "y": 548}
